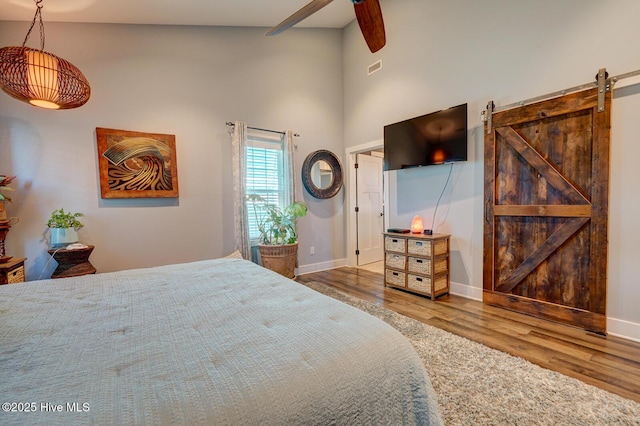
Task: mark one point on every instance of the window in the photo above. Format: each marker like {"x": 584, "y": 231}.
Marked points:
{"x": 262, "y": 165}
{"x": 266, "y": 174}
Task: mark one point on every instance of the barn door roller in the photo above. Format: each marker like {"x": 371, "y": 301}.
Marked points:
{"x": 603, "y": 82}
{"x": 603, "y": 85}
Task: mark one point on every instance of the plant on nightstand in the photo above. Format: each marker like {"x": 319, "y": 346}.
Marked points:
{"x": 64, "y": 227}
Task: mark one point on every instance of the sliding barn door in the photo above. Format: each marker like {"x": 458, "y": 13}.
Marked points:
{"x": 546, "y": 202}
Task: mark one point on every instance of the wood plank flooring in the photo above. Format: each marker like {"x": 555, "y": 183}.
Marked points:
{"x": 607, "y": 362}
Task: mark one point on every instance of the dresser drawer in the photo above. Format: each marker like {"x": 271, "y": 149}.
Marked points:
{"x": 397, "y": 261}
{"x": 398, "y": 245}
{"x": 427, "y": 247}
{"x": 416, "y": 282}
{"x": 420, "y": 247}
{"x": 426, "y": 266}
{"x": 422, "y": 284}
{"x": 395, "y": 278}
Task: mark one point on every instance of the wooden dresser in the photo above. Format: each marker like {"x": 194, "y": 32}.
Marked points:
{"x": 417, "y": 263}
{"x": 12, "y": 272}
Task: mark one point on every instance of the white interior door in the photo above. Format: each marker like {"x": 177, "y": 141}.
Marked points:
{"x": 370, "y": 209}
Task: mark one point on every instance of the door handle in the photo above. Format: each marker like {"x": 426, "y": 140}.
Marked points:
{"x": 486, "y": 210}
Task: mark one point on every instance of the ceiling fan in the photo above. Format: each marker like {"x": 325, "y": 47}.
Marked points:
{"x": 368, "y": 14}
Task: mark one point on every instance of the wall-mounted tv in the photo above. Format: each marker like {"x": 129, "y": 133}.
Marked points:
{"x": 436, "y": 138}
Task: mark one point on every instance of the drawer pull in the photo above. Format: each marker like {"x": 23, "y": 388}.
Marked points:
{"x": 418, "y": 260}
{"x": 394, "y": 240}
{"x": 419, "y": 279}
{"x": 395, "y": 274}
{"x": 395, "y": 256}
{"x": 419, "y": 243}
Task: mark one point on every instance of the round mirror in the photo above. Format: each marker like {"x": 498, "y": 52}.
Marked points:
{"x": 322, "y": 174}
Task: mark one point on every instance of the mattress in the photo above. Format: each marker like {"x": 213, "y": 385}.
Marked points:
{"x": 222, "y": 342}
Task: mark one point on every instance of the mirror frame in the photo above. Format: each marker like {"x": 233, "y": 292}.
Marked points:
{"x": 336, "y": 170}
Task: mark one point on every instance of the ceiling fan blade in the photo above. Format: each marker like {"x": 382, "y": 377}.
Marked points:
{"x": 301, "y": 14}
{"x": 369, "y": 16}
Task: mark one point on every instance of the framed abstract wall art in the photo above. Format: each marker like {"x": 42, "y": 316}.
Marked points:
{"x": 137, "y": 164}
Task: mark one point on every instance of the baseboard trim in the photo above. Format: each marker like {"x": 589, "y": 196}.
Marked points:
{"x": 615, "y": 327}
{"x": 466, "y": 291}
{"x": 322, "y": 266}
{"x": 625, "y": 329}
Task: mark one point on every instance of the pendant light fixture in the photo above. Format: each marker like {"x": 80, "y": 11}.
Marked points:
{"x": 41, "y": 78}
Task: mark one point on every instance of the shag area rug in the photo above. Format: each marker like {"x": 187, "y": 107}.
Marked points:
{"x": 478, "y": 385}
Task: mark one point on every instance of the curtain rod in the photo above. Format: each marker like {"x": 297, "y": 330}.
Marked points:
{"x": 229, "y": 123}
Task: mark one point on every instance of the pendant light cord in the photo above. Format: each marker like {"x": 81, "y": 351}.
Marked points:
{"x": 37, "y": 16}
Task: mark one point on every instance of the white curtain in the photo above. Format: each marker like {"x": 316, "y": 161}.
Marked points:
{"x": 238, "y": 142}
{"x": 289, "y": 166}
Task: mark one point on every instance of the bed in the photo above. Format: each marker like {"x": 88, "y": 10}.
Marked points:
{"x": 222, "y": 342}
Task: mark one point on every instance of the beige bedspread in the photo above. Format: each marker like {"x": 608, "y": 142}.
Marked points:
{"x": 213, "y": 342}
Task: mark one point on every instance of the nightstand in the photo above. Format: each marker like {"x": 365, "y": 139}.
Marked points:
{"x": 72, "y": 263}
{"x": 12, "y": 272}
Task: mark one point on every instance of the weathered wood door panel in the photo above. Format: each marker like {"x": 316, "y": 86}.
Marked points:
{"x": 546, "y": 204}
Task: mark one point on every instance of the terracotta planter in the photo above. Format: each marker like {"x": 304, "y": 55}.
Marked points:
{"x": 280, "y": 258}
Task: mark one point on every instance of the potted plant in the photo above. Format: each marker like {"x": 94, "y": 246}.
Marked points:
{"x": 64, "y": 227}
{"x": 278, "y": 240}
{"x": 5, "y": 181}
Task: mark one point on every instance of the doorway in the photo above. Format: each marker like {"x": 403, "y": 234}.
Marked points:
{"x": 367, "y": 198}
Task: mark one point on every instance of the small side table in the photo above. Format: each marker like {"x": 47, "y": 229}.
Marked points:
{"x": 12, "y": 272}
{"x": 72, "y": 263}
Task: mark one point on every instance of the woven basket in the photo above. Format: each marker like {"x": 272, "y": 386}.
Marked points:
{"x": 280, "y": 258}
{"x": 396, "y": 278}
{"x": 395, "y": 244}
{"x": 416, "y": 282}
{"x": 395, "y": 260}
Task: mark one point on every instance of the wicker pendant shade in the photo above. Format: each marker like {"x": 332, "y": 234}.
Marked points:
{"x": 41, "y": 78}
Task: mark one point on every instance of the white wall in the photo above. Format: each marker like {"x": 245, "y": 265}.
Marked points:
{"x": 186, "y": 81}
{"x": 440, "y": 54}
{"x": 189, "y": 81}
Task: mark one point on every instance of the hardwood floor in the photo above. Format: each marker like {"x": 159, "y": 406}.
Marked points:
{"x": 607, "y": 362}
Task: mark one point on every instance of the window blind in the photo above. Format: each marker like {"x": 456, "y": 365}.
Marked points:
{"x": 265, "y": 175}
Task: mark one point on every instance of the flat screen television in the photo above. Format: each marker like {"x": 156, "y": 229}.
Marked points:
{"x": 436, "y": 138}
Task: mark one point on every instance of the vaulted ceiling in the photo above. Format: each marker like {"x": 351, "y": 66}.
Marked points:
{"x": 243, "y": 13}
